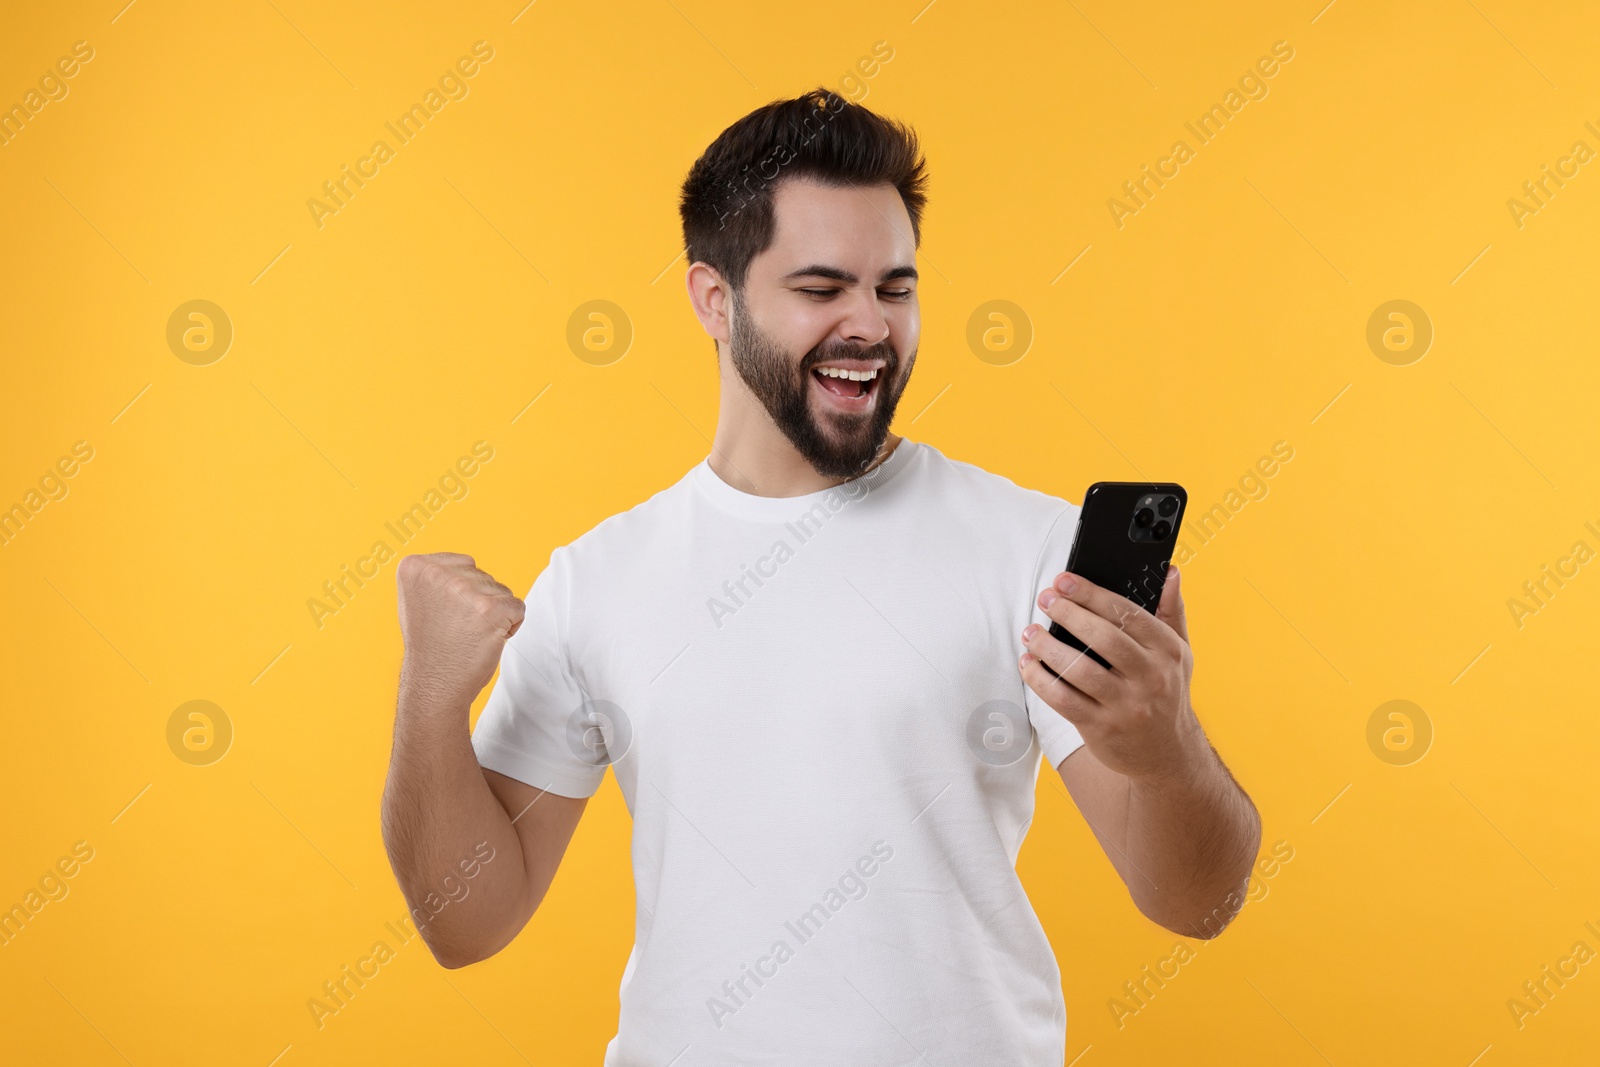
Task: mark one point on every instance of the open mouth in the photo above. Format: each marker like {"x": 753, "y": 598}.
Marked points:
{"x": 851, "y": 389}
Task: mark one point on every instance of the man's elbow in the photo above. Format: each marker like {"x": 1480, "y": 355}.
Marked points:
{"x": 1207, "y": 928}
{"x": 1236, "y": 871}
{"x": 1201, "y": 926}
{"x": 1203, "y": 919}
{"x": 455, "y": 957}
{"x": 471, "y": 946}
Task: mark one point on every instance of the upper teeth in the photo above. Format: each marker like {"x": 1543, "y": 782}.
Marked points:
{"x": 853, "y": 375}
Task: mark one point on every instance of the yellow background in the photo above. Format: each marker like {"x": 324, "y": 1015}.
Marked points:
{"x": 370, "y": 353}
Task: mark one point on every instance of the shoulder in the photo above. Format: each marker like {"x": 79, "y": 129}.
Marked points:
{"x": 629, "y": 537}
{"x": 994, "y": 498}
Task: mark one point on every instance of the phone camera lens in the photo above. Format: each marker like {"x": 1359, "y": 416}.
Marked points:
{"x": 1143, "y": 517}
{"x": 1168, "y": 506}
{"x": 1161, "y": 529}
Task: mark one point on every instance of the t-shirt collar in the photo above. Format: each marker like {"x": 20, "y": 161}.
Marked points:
{"x": 781, "y": 508}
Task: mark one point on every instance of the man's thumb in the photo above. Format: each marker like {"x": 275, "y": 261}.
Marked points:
{"x": 1170, "y": 610}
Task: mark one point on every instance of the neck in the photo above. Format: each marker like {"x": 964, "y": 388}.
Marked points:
{"x": 752, "y": 455}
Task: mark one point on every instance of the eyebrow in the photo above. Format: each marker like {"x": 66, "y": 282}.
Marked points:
{"x": 820, "y": 270}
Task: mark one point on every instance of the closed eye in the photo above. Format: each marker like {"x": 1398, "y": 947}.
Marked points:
{"x": 895, "y": 294}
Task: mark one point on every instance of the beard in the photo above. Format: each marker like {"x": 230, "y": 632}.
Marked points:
{"x": 839, "y": 444}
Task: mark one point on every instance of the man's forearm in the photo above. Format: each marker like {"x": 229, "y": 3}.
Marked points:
{"x": 437, "y": 809}
{"x": 1195, "y": 836}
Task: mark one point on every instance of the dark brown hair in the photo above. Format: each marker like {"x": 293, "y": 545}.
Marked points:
{"x": 727, "y": 198}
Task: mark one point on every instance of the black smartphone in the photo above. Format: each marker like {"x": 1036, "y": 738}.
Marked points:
{"x": 1124, "y": 541}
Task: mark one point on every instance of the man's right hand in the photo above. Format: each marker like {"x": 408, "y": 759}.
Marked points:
{"x": 440, "y": 805}
{"x": 454, "y": 622}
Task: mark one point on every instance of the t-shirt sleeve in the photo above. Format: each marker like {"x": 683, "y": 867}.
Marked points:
{"x": 526, "y": 728}
{"x": 1057, "y": 736}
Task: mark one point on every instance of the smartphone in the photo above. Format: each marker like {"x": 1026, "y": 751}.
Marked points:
{"x": 1124, "y": 541}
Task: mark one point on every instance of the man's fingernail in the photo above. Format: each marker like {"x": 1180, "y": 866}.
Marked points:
{"x": 1047, "y": 598}
{"x": 1066, "y": 583}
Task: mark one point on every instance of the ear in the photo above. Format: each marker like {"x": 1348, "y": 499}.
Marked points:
{"x": 711, "y": 299}
{"x": 1170, "y": 610}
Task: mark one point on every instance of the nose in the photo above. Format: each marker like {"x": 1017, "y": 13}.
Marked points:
{"x": 865, "y": 323}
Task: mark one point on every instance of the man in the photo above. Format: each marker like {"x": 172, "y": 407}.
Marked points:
{"x": 798, "y": 662}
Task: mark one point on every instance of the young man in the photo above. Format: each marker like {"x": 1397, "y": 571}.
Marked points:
{"x": 800, "y": 662}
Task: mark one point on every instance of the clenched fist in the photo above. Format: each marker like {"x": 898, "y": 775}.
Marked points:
{"x": 454, "y": 620}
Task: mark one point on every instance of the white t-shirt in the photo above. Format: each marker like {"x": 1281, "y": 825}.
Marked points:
{"x": 813, "y": 708}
